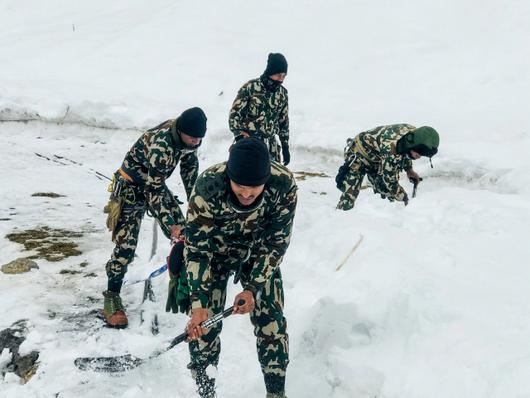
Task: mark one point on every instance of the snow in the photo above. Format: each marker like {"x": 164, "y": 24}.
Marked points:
{"x": 433, "y": 303}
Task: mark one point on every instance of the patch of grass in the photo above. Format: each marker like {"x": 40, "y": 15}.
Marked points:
{"x": 48, "y": 195}
{"x": 302, "y": 175}
{"x": 69, "y": 272}
{"x": 90, "y": 275}
{"x": 52, "y": 244}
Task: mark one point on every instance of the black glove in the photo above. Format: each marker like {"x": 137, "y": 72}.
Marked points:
{"x": 341, "y": 175}
{"x": 285, "y": 153}
{"x": 406, "y": 199}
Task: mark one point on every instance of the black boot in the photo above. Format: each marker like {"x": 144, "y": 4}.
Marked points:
{"x": 205, "y": 384}
{"x": 275, "y": 385}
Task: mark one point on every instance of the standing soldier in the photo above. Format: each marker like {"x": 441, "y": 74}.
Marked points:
{"x": 239, "y": 221}
{"x": 381, "y": 154}
{"x": 139, "y": 185}
{"x": 261, "y": 109}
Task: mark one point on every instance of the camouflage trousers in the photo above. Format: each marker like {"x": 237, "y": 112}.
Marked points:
{"x": 270, "y": 329}
{"x": 352, "y": 180}
{"x": 128, "y": 227}
{"x": 275, "y": 149}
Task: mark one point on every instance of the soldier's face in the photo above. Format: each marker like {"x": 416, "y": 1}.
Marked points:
{"x": 190, "y": 141}
{"x": 414, "y": 155}
{"x": 278, "y": 77}
{"x": 246, "y": 195}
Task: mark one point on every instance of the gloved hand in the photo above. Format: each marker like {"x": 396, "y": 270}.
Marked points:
{"x": 341, "y": 176}
{"x": 285, "y": 153}
{"x": 406, "y": 199}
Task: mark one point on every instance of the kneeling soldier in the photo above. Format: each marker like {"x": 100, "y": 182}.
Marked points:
{"x": 381, "y": 154}
{"x": 239, "y": 221}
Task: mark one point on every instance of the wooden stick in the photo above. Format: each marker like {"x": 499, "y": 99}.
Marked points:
{"x": 350, "y": 253}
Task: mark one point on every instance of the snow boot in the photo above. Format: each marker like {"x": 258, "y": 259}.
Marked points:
{"x": 205, "y": 384}
{"x": 275, "y": 385}
{"x": 113, "y": 310}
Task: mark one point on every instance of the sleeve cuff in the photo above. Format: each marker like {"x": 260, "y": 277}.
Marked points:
{"x": 199, "y": 301}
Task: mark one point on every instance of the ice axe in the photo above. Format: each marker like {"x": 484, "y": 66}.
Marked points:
{"x": 415, "y": 183}
{"x": 122, "y": 363}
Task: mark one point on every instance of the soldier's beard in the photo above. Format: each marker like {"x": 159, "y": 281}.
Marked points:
{"x": 190, "y": 148}
{"x": 238, "y": 207}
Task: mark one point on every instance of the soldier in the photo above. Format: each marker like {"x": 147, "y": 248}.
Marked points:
{"x": 139, "y": 186}
{"x": 381, "y": 154}
{"x": 239, "y": 221}
{"x": 261, "y": 109}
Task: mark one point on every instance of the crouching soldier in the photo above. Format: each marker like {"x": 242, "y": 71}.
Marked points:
{"x": 381, "y": 154}
{"x": 261, "y": 109}
{"x": 239, "y": 221}
{"x": 140, "y": 185}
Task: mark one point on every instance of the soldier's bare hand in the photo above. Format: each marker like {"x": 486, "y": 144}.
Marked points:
{"x": 413, "y": 176}
{"x": 194, "y": 330}
{"x": 244, "y": 134}
{"x": 248, "y": 297}
{"x": 176, "y": 233}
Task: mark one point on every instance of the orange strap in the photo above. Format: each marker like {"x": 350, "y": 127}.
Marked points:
{"x": 125, "y": 175}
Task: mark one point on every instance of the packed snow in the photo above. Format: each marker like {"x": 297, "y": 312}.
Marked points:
{"x": 433, "y": 302}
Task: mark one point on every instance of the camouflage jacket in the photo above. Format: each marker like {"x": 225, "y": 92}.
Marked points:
{"x": 217, "y": 235}
{"x": 377, "y": 149}
{"x": 260, "y": 111}
{"x": 152, "y": 159}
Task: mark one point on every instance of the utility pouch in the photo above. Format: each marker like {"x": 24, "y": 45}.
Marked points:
{"x": 114, "y": 206}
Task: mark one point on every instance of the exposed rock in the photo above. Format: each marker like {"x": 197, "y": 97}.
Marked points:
{"x": 24, "y": 366}
{"x": 19, "y": 266}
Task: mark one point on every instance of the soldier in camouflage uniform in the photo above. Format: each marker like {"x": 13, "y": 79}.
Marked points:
{"x": 381, "y": 154}
{"x": 261, "y": 109}
{"x": 139, "y": 186}
{"x": 239, "y": 221}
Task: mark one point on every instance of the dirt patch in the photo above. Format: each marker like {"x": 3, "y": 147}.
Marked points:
{"x": 302, "y": 175}
{"x": 69, "y": 272}
{"x": 52, "y": 244}
{"x": 48, "y": 195}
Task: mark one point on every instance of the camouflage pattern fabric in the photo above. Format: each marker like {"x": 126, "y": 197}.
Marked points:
{"x": 150, "y": 161}
{"x": 373, "y": 153}
{"x": 221, "y": 241}
{"x": 263, "y": 113}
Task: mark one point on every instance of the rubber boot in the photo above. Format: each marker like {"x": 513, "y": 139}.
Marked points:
{"x": 113, "y": 310}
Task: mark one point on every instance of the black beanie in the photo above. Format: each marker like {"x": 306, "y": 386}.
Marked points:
{"x": 276, "y": 63}
{"x": 249, "y": 163}
{"x": 192, "y": 122}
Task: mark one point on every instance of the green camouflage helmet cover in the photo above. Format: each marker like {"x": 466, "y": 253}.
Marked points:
{"x": 424, "y": 140}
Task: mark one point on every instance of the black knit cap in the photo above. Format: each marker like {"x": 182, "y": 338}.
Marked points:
{"x": 276, "y": 63}
{"x": 192, "y": 122}
{"x": 249, "y": 163}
